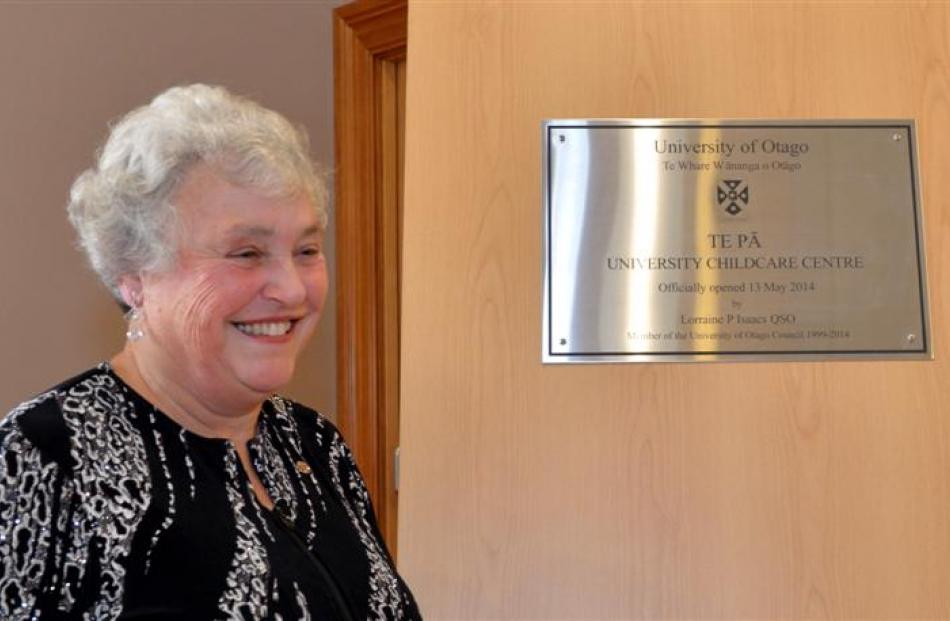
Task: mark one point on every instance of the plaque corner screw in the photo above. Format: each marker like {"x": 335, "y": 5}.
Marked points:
{"x": 561, "y": 138}
{"x": 563, "y": 341}
{"x": 897, "y": 137}
{"x": 911, "y": 338}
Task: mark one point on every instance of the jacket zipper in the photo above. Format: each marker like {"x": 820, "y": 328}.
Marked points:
{"x": 335, "y": 593}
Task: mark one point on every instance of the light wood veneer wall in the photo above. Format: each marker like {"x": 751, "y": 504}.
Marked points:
{"x": 753, "y": 491}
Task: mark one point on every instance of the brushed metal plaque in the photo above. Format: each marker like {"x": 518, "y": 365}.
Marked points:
{"x": 676, "y": 240}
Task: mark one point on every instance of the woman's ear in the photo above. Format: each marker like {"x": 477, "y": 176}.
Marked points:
{"x": 130, "y": 286}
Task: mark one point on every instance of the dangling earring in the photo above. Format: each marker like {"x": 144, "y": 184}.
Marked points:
{"x": 134, "y": 332}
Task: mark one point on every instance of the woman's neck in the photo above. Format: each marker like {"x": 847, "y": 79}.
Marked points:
{"x": 181, "y": 405}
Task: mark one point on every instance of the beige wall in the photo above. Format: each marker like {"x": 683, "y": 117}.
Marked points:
{"x": 752, "y": 491}
{"x": 66, "y": 70}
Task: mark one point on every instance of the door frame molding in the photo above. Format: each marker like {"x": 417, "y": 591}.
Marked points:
{"x": 369, "y": 39}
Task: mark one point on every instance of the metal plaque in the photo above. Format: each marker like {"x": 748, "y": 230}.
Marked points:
{"x": 669, "y": 240}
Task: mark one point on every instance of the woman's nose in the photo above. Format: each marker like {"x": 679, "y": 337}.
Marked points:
{"x": 285, "y": 283}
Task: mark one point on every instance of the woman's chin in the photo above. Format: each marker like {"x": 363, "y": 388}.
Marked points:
{"x": 267, "y": 379}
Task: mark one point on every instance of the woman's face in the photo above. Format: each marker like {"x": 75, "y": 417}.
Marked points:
{"x": 227, "y": 322}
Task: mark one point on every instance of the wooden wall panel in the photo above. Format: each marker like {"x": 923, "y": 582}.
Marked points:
{"x": 754, "y": 491}
{"x": 369, "y": 41}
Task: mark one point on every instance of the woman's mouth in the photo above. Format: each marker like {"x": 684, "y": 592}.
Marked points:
{"x": 265, "y": 328}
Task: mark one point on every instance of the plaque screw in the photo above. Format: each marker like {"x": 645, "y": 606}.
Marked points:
{"x": 563, "y": 341}
{"x": 561, "y": 138}
{"x": 897, "y": 137}
{"x": 911, "y": 338}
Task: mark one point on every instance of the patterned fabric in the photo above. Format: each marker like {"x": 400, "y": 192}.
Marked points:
{"x": 109, "y": 509}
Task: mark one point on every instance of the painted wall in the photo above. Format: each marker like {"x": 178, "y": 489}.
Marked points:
{"x": 69, "y": 68}
{"x": 658, "y": 491}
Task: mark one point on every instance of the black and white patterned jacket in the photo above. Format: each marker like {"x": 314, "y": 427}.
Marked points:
{"x": 109, "y": 509}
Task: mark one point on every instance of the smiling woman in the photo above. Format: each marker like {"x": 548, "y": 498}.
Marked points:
{"x": 229, "y": 319}
{"x": 171, "y": 482}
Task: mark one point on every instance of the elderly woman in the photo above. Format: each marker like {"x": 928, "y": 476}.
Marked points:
{"x": 171, "y": 482}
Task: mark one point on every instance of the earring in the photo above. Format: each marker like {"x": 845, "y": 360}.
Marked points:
{"x": 134, "y": 332}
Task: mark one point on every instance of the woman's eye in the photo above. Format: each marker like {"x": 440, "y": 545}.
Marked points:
{"x": 246, "y": 253}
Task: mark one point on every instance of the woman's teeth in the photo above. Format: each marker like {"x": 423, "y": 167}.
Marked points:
{"x": 277, "y": 328}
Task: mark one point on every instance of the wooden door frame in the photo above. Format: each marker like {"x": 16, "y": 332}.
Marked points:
{"x": 369, "y": 39}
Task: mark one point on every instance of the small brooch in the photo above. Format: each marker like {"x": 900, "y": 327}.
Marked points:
{"x": 303, "y": 467}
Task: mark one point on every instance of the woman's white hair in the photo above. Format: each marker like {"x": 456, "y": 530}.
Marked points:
{"x": 122, "y": 207}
